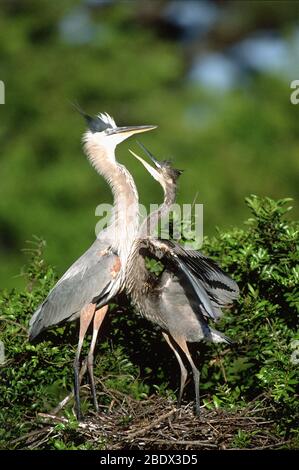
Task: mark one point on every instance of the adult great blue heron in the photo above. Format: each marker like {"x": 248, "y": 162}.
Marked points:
{"x": 97, "y": 276}
{"x": 190, "y": 288}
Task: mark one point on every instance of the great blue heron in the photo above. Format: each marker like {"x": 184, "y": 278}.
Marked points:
{"x": 190, "y": 288}
{"x": 97, "y": 276}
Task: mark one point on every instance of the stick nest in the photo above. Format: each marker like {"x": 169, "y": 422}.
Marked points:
{"x": 156, "y": 423}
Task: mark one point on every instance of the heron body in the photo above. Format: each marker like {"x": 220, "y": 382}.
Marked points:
{"x": 98, "y": 275}
{"x": 169, "y": 302}
{"x": 187, "y": 292}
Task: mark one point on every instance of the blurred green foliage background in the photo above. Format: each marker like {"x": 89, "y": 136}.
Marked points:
{"x": 126, "y": 60}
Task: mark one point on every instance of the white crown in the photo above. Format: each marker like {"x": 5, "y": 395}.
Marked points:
{"x": 107, "y": 119}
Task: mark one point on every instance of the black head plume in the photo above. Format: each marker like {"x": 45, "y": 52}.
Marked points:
{"x": 97, "y": 123}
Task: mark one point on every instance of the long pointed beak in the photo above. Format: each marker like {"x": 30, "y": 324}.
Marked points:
{"x": 149, "y": 154}
{"x": 155, "y": 174}
{"x": 131, "y": 130}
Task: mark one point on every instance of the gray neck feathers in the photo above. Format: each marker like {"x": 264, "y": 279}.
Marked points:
{"x": 138, "y": 278}
{"x": 149, "y": 225}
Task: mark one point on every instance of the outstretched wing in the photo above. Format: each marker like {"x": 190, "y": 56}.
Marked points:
{"x": 89, "y": 279}
{"x": 203, "y": 273}
{"x": 222, "y": 289}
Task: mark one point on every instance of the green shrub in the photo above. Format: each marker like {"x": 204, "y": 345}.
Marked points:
{"x": 264, "y": 261}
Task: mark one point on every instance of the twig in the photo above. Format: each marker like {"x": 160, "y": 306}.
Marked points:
{"x": 22, "y": 327}
{"x": 56, "y": 419}
{"x": 109, "y": 392}
{"x": 111, "y": 405}
{"x": 152, "y": 425}
{"x": 184, "y": 443}
{"x": 70, "y": 395}
{"x": 236, "y": 418}
{"x": 60, "y": 419}
{"x": 30, "y": 434}
{"x": 258, "y": 410}
{"x": 35, "y": 445}
{"x": 63, "y": 402}
{"x": 268, "y": 446}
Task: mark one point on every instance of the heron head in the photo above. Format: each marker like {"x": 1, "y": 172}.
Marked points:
{"x": 103, "y": 130}
{"x": 162, "y": 171}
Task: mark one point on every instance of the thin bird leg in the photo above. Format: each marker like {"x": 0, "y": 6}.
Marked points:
{"x": 183, "y": 345}
{"x": 85, "y": 318}
{"x": 174, "y": 348}
{"x": 97, "y": 322}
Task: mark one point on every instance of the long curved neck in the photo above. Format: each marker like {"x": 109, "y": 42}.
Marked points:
{"x": 123, "y": 225}
{"x": 138, "y": 277}
{"x": 149, "y": 225}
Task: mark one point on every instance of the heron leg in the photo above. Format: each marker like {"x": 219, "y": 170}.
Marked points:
{"x": 181, "y": 364}
{"x": 85, "y": 319}
{"x": 97, "y": 322}
{"x": 183, "y": 345}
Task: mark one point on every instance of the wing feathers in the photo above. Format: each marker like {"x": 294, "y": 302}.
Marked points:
{"x": 206, "y": 277}
{"x": 87, "y": 281}
{"x": 205, "y": 303}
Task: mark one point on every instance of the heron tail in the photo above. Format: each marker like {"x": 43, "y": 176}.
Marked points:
{"x": 217, "y": 337}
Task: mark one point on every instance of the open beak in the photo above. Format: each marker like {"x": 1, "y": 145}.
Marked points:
{"x": 149, "y": 154}
{"x": 155, "y": 174}
{"x": 130, "y": 130}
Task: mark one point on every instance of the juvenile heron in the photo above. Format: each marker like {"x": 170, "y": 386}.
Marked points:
{"x": 190, "y": 288}
{"x": 97, "y": 276}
